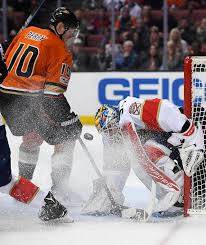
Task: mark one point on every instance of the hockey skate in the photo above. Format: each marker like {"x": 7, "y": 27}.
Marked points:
{"x": 53, "y": 210}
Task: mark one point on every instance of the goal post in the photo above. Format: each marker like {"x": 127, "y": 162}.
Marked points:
{"x": 195, "y": 108}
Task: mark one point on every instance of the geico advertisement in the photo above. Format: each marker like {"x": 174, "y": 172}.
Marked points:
{"x": 91, "y": 89}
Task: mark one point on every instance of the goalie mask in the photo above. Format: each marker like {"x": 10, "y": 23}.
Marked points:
{"x": 107, "y": 119}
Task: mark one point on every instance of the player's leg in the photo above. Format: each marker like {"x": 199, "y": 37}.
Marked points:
{"x": 116, "y": 168}
{"x": 26, "y": 192}
{"x": 22, "y": 189}
{"x": 61, "y": 164}
{"x": 60, "y": 127}
{"x": 29, "y": 154}
{"x": 19, "y": 112}
{"x": 5, "y": 159}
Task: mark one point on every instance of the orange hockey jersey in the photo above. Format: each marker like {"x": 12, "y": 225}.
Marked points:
{"x": 38, "y": 62}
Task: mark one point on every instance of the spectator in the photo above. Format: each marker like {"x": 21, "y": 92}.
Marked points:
{"x": 134, "y": 8}
{"x": 203, "y": 49}
{"x": 201, "y": 31}
{"x": 148, "y": 19}
{"x": 117, "y": 4}
{"x": 99, "y": 61}
{"x": 101, "y": 21}
{"x": 135, "y": 38}
{"x": 109, "y": 48}
{"x": 124, "y": 36}
{"x": 172, "y": 22}
{"x": 125, "y": 22}
{"x": 144, "y": 35}
{"x": 12, "y": 27}
{"x": 127, "y": 60}
{"x": 80, "y": 58}
{"x": 91, "y": 4}
{"x": 83, "y": 22}
{"x": 194, "y": 49}
{"x": 187, "y": 30}
{"x": 180, "y": 44}
{"x": 20, "y": 5}
{"x": 175, "y": 60}
{"x": 153, "y": 63}
{"x": 155, "y": 38}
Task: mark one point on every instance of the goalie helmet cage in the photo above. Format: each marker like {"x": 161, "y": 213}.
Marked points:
{"x": 195, "y": 108}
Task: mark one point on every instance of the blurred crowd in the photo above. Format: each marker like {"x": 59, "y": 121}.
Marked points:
{"x": 138, "y": 32}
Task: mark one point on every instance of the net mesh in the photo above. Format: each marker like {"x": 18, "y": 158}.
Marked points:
{"x": 198, "y": 185}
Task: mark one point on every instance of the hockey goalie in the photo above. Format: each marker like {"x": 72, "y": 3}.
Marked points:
{"x": 153, "y": 138}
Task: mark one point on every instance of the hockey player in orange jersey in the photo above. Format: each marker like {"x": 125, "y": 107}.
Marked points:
{"x": 32, "y": 99}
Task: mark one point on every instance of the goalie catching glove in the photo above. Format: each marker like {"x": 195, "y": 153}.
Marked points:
{"x": 191, "y": 149}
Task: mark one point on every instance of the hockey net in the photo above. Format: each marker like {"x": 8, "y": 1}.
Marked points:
{"x": 195, "y": 108}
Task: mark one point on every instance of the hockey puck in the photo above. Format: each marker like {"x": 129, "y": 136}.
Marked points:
{"x": 88, "y": 136}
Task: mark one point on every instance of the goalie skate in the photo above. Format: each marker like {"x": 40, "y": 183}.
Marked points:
{"x": 135, "y": 214}
{"x": 53, "y": 210}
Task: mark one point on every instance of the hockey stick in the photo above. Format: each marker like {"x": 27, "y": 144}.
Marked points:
{"x": 31, "y": 16}
{"x": 117, "y": 209}
{"x": 115, "y": 206}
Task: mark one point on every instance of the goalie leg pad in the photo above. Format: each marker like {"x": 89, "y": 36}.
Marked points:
{"x": 99, "y": 202}
{"x": 159, "y": 154}
{"x": 24, "y": 190}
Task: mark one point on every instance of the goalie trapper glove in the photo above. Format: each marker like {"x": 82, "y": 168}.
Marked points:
{"x": 191, "y": 149}
{"x": 52, "y": 209}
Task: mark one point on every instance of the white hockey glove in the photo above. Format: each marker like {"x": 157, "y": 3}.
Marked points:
{"x": 192, "y": 147}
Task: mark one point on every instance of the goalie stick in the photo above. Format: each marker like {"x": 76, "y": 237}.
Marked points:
{"x": 117, "y": 209}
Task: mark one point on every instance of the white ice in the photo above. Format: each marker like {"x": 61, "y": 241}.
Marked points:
{"x": 19, "y": 223}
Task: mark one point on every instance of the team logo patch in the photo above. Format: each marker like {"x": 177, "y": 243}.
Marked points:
{"x": 135, "y": 108}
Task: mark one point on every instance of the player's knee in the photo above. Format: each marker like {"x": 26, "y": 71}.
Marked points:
{"x": 31, "y": 140}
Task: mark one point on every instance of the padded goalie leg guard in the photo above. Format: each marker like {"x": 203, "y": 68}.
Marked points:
{"x": 99, "y": 202}
{"x": 167, "y": 195}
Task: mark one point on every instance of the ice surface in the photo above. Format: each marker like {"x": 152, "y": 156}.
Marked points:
{"x": 19, "y": 223}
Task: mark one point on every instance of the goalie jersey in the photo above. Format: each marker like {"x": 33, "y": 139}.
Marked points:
{"x": 152, "y": 114}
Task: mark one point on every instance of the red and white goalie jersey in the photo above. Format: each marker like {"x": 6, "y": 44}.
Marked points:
{"x": 153, "y": 114}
